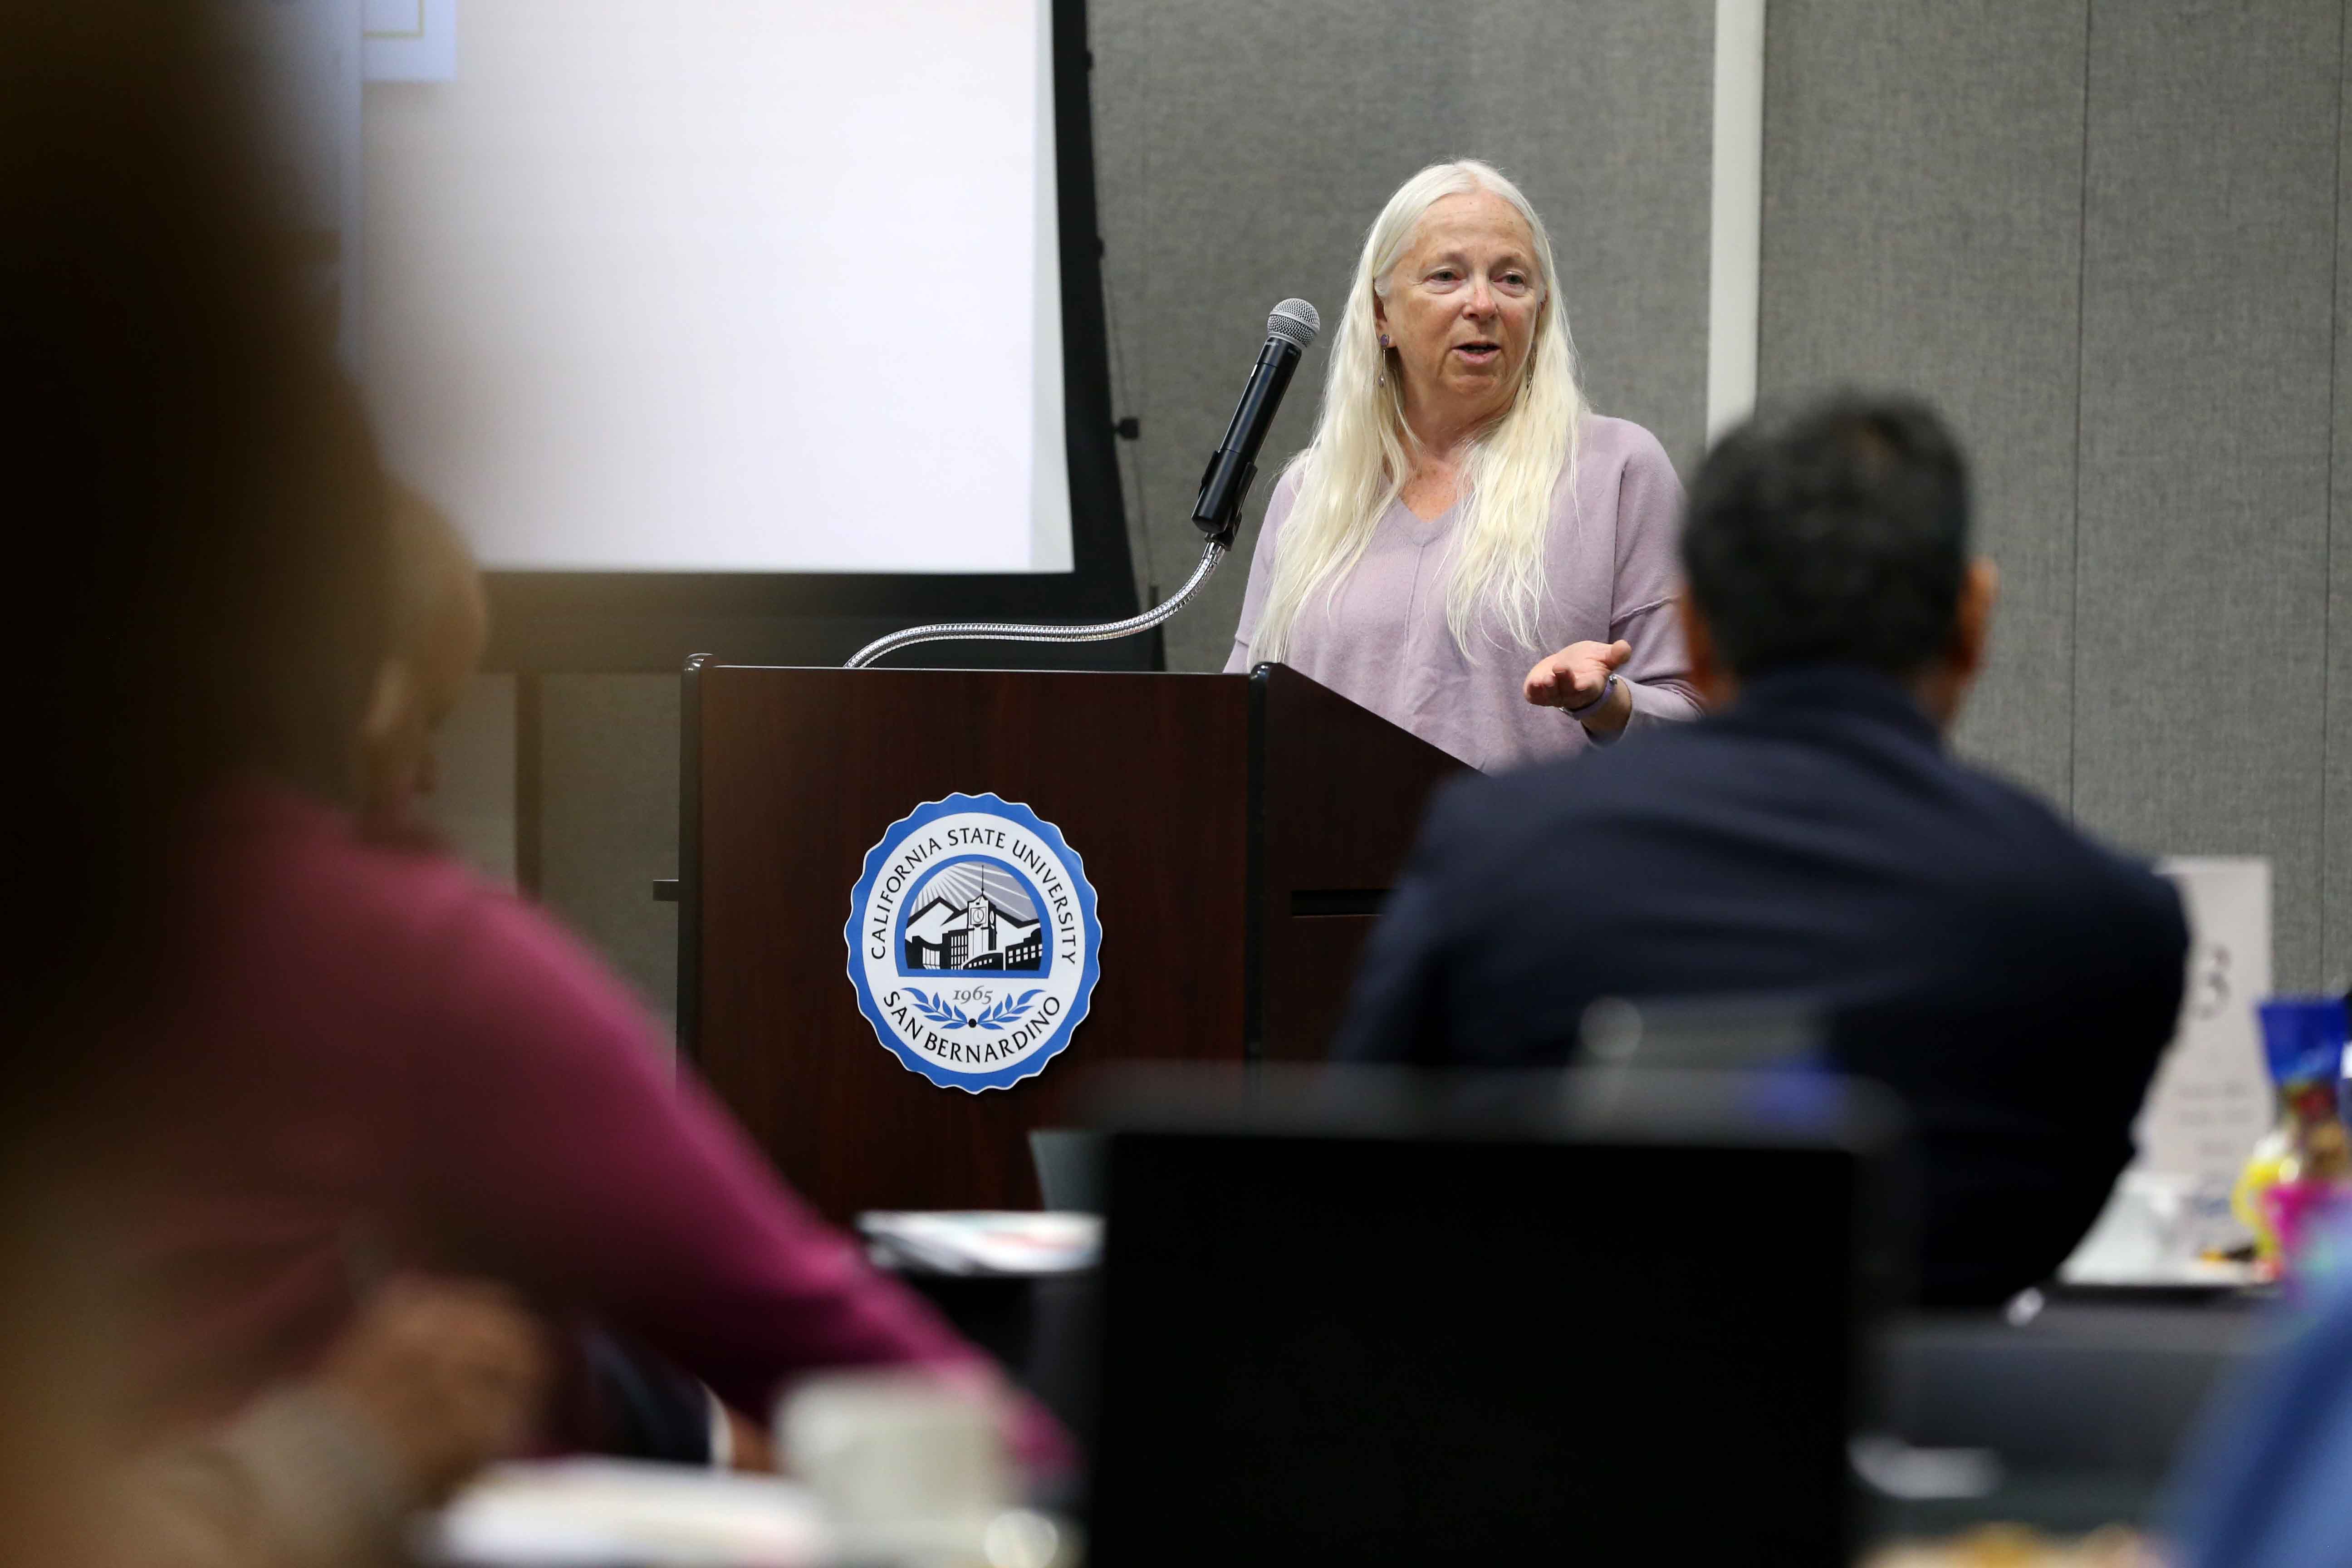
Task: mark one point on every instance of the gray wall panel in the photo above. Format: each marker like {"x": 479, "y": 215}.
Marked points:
{"x": 1605, "y": 115}
{"x": 2207, "y": 306}
{"x": 609, "y": 820}
{"x": 473, "y": 801}
{"x": 1271, "y": 136}
{"x": 1119, "y": 38}
{"x": 1930, "y": 240}
{"x": 2336, "y": 949}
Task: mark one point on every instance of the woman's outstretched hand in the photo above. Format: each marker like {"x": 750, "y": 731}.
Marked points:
{"x": 1576, "y": 675}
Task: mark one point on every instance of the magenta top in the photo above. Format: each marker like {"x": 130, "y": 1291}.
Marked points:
{"x": 381, "y": 1061}
{"x": 1610, "y": 573}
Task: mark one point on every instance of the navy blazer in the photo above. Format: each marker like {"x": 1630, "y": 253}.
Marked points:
{"x": 2013, "y": 982}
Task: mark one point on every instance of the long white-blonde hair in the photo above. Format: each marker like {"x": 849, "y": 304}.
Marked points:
{"x": 1356, "y": 467}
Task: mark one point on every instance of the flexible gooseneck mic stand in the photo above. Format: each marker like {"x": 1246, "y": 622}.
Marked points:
{"x": 1217, "y": 513}
{"x": 1103, "y": 631}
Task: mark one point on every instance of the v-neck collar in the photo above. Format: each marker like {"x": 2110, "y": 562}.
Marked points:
{"x": 1420, "y": 530}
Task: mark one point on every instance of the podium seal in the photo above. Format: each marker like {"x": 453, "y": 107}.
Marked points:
{"x": 972, "y": 942}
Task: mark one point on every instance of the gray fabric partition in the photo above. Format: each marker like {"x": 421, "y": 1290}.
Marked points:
{"x": 608, "y": 820}
{"x": 2103, "y": 238}
{"x": 2209, "y": 240}
{"x": 1932, "y": 239}
{"x": 2335, "y": 826}
{"x": 1243, "y": 149}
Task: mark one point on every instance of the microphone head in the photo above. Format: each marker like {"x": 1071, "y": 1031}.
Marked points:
{"x": 1294, "y": 322}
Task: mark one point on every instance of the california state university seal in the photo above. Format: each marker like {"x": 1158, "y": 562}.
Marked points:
{"x": 972, "y": 942}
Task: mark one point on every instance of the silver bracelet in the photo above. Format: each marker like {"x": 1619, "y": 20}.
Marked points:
{"x": 1608, "y": 689}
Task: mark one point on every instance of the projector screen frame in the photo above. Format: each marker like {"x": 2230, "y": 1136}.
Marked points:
{"x": 650, "y": 622}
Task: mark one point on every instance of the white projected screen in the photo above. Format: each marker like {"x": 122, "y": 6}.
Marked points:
{"x": 726, "y": 286}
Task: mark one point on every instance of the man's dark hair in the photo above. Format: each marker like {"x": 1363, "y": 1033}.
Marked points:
{"x": 1837, "y": 533}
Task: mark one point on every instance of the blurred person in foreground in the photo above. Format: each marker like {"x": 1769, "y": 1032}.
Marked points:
{"x": 1816, "y": 843}
{"x": 173, "y": 441}
{"x": 430, "y": 1381}
{"x": 261, "y": 1068}
{"x": 2264, "y": 1483}
{"x": 620, "y": 1399}
{"x": 375, "y": 1061}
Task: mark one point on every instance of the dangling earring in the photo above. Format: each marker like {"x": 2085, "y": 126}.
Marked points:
{"x": 1384, "y": 364}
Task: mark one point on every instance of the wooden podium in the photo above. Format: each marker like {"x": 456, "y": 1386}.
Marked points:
{"x": 1239, "y": 832}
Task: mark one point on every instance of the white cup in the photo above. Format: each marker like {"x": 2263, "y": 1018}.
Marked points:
{"x": 887, "y": 1449}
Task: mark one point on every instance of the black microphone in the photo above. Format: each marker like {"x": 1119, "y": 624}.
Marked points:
{"x": 1226, "y": 483}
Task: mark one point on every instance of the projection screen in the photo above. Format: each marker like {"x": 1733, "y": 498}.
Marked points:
{"x": 734, "y": 286}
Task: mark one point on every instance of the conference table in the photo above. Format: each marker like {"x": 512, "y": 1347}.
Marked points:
{"x": 2086, "y": 1405}
{"x": 2065, "y": 1419}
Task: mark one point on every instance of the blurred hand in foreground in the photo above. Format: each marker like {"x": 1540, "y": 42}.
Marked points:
{"x": 449, "y": 1373}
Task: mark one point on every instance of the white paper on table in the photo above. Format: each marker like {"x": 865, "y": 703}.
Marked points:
{"x": 2210, "y": 1098}
{"x": 986, "y": 1241}
{"x": 595, "y": 1512}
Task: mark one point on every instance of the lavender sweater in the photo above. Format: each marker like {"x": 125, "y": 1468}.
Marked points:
{"x": 1611, "y": 572}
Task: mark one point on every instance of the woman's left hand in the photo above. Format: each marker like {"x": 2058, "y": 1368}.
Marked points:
{"x": 1576, "y": 675}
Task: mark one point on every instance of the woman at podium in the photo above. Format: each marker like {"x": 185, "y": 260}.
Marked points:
{"x": 1465, "y": 548}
